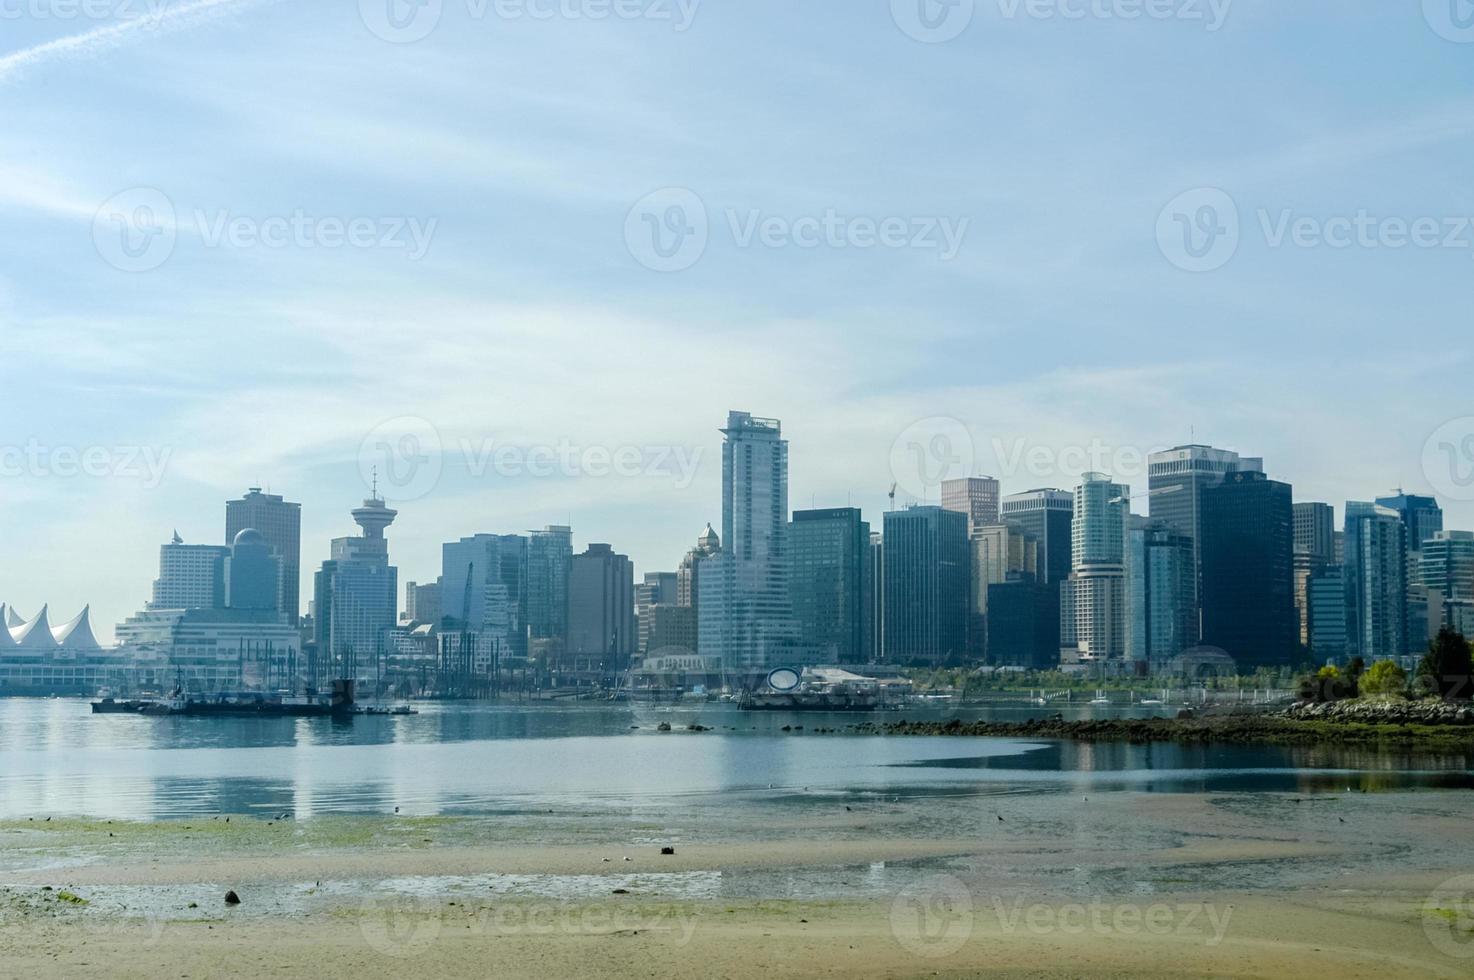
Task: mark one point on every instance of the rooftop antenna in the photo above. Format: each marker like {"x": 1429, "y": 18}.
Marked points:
{"x": 376, "y": 482}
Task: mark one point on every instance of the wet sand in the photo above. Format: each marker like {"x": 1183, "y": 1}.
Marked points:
{"x": 1123, "y": 885}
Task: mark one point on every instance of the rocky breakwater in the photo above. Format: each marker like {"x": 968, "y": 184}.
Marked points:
{"x": 1384, "y": 711}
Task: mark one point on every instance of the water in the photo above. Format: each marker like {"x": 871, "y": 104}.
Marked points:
{"x": 56, "y": 758}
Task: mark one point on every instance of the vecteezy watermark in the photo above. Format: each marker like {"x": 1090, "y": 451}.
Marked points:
{"x": 1448, "y": 459}
{"x": 668, "y": 230}
{"x": 936, "y": 21}
{"x": 407, "y": 21}
{"x": 930, "y": 451}
{"x": 404, "y": 926}
{"x": 933, "y": 21}
{"x": 151, "y": 12}
{"x": 937, "y": 916}
{"x": 35, "y": 459}
{"x": 1452, "y": 20}
{"x": 403, "y": 459}
{"x": 134, "y": 230}
{"x": 1021, "y": 456}
{"x": 137, "y": 230}
{"x": 1199, "y": 230}
{"x": 1448, "y": 917}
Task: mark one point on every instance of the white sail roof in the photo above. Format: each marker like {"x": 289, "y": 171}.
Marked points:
{"x": 77, "y": 634}
{"x": 35, "y": 635}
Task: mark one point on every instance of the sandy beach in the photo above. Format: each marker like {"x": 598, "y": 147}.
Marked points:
{"x": 379, "y": 896}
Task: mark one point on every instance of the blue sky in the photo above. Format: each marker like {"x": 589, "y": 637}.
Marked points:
{"x": 501, "y": 170}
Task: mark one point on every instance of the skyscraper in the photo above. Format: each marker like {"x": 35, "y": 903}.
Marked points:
{"x": 191, "y": 576}
{"x": 1000, "y": 553}
{"x": 356, "y": 598}
{"x": 1448, "y": 564}
{"x": 484, "y": 584}
{"x": 1095, "y": 594}
{"x": 829, "y": 579}
{"x": 280, "y": 523}
{"x": 549, "y": 558}
{"x": 1159, "y": 571}
{"x": 1246, "y": 549}
{"x": 744, "y": 613}
{"x": 975, "y": 496}
{"x": 1329, "y": 622}
{"x": 1177, "y": 478}
{"x": 658, "y": 589}
{"x": 927, "y": 567}
{"x": 253, "y": 573}
{"x": 1421, "y": 516}
{"x": 601, "y": 611}
{"x": 1376, "y": 586}
{"x": 1047, "y": 515}
{"x": 422, "y": 602}
{"x": 1315, "y": 548}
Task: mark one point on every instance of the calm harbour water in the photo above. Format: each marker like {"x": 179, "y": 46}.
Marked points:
{"x": 58, "y": 758}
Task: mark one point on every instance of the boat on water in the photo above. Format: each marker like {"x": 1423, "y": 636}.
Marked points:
{"x": 309, "y": 704}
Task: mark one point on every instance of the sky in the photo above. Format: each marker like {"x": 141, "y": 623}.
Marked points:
{"x": 521, "y": 257}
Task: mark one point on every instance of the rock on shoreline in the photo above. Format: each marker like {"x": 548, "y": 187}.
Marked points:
{"x": 1349, "y": 722}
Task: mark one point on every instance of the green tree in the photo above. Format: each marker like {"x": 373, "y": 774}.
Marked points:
{"x": 1384, "y": 677}
{"x": 1448, "y": 667}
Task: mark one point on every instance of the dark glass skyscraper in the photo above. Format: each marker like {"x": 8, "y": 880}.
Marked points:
{"x": 829, "y": 579}
{"x": 1247, "y": 548}
{"x": 927, "y": 566}
{"x": 280, "y": 523}
{"x": 1047, "y": 515}
{"x": 1422, "y": 518}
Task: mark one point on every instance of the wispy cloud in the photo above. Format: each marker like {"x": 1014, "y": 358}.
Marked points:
{"x": 159, "y": 19}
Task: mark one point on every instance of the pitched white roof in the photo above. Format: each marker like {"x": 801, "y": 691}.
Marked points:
{"x": 77, "y": 634}
{"x": 35, "y": 635}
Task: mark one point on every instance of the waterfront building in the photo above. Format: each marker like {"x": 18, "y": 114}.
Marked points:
{"x": 1376, "y": 587}
{"x": 830, "y": 582}
{"x": 744, "y": 612}
{"x": 211, "y": 651}
{"x": 1094, "y": 596}
{"x": 975, "y": 496}
{"x": 356, "y": 597}
{"x": 37, "y": 658}
{"x": 1246, "y": 551}
{"x": 1177, "y": 480}
{"x": 601, "y": 612}
{"x": 1159, "y": 573}
{"x": 927, "y": 568}
{"x": 279, "y": 521}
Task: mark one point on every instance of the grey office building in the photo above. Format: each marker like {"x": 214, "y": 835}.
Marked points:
{"x": 601, "y": 611}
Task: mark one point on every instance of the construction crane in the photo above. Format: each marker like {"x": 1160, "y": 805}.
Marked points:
{"x": 893, "y": 496}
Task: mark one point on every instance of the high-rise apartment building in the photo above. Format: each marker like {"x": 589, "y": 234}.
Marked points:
{"x": 1094, "y": 597}
{"x": 744, "y": 612}
{"x": 549, "y": 558}
{"x": 1159, "y": 571}
{"x": 280, "y": 522}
